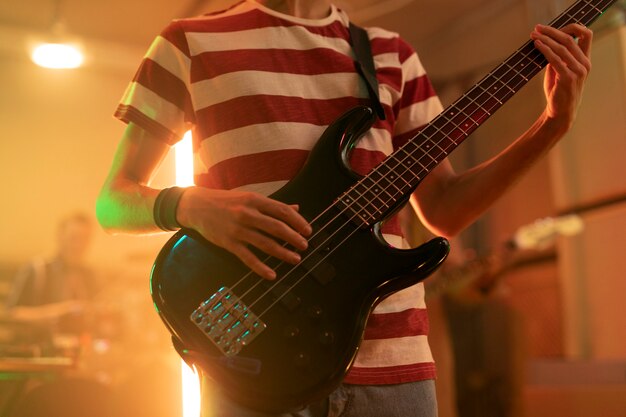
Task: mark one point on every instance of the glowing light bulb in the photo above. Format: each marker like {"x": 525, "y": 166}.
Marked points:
{"x": 57, "y": 56}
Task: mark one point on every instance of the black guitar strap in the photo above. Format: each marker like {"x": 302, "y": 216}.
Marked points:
{"x": 365, "y": 65}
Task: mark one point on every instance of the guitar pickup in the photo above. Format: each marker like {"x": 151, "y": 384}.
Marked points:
{"x": 321, "y": 270}
{"x": 286, "y": 298}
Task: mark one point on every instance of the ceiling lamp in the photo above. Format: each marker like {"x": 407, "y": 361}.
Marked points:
{"x": 57, "y": 52}
{"x": 57, "y": 55}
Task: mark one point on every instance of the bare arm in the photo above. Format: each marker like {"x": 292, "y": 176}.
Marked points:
{"x": 231, "y": 219}
{"x": 443, "y": 192}
{"x": 125, "y": 202}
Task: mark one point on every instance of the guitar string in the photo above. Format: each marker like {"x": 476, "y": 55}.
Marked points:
{"x": 346, "y": 208}
{"x": 538, "y": 56}
{"x": 425, "y": 153}
{"x": 463, "y": 126}
{"x": 469, "y": 123}
{"x": 430, "y": 138}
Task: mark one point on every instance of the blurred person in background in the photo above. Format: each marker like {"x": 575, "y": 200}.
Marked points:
{"x": 49, "y": 297}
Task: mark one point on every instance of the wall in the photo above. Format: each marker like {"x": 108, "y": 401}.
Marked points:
{"x": 58, "y": 139}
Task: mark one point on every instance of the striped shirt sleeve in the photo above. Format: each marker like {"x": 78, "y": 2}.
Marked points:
{"x": 158, "y": 98}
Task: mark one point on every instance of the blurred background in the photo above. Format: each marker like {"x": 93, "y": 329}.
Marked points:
{"x": 527, "y": 319}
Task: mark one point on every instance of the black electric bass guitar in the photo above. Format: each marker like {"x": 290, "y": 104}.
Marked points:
{"x": 279, "y": 345}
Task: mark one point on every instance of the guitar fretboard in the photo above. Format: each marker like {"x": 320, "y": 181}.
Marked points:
{"x": 398, "y": 175}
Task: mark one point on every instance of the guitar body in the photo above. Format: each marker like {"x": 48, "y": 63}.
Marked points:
{"x": 309, "y": 322}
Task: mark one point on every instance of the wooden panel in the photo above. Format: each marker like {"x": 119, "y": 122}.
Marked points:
{"x": 593, "y": 267}
{"x": 576, "y": 401}
{"x": 589, "y": 164}
{"x": 535, "y": 293}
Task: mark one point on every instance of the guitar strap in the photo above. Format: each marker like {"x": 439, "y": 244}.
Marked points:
{"x": 365, "y": 65}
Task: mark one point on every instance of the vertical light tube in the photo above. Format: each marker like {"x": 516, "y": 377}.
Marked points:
{"x": 191, "y": 391}
{"x": 184, "y": 178}
{"x": 184, "y": 161}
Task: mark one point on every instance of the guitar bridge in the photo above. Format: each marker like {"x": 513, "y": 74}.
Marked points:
{"x": 227, "y": 322}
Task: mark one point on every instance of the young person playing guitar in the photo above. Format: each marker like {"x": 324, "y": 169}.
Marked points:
{"x": 258, "y": 83}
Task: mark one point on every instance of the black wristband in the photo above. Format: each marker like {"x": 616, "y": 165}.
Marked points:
{"x": 165, "y": 207}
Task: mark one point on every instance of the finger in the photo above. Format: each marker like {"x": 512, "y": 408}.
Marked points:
{"x": 583, "y": 34}
{"x": 553, "y": 59}
{"x": 569, "y": 40}
{"x": 278, "y": 230}
{"x": 561, "y": 60}
{"x": 250, "y": 260}
{"x": 286, "y": 214}
{"x": 270, "y": 246}
{"x": 563, "y": 55}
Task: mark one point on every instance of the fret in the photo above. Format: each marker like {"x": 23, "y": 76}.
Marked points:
{"x": 448, "y": 145}
{"x": 575, "y": 16}
{"x": 517, "y": 78}
{"x": 501, "y": 90}
{"x": 583, "y": 12}
{"x": 501, "y": 71}
{"x": 374, "y": 195}
{"x": 453, "y": 132}
{"x": 437, "y": 145}
{"x": 407, "y": 175}
{"x": 441, "y": 137}
{"x": 414, "y": 148}
{"x": 410, "y": 177}
{"x": 383, "y": 181}
{"x": 530, "y": 62}
{"x": 360, "y": 206}
{"x": 429, "y": 131}
{"x": 405, "y": 155}
{"x": 594, "y": 7}
{"x": 574, "y": 19}
{"x": 379, "y": 188}
{"x": 476, "y": 112}
{"x": 458, "y": 118}
{"x": 414, "y": 160}
{"x": 453, "y": 128}
{"x": 489, "y": 103}
{"x": 347, "y": 203}
{"x": 371, "y": 192}
{"x": 429, "y": 167}
{"x": 394, "y": 176}
{"x": 373, "y": 205}
{"x": 427, "y": 146}
{"x": 440, "y": 125}
{"x": 466, "y": 105}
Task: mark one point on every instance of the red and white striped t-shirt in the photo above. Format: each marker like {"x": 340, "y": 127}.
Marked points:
{"x": 258, "y": 88}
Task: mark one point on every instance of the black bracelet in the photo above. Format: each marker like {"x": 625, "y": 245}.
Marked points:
{"x": 165, "y": 207}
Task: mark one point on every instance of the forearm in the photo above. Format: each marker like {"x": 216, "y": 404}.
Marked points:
{"x": 126, "y": 206}
{"x": 449, "y": 203}
{"x": 126, "y": 200}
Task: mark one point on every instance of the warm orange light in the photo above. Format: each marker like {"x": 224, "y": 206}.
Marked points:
{"x": 57, "y": 56}
{"x": 184, "y": 161}
{"x": 191, "y": 391}
{"x": 184, "y": 178}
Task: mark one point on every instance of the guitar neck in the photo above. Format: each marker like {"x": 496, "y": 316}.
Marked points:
{"x": 370, "y": 199}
